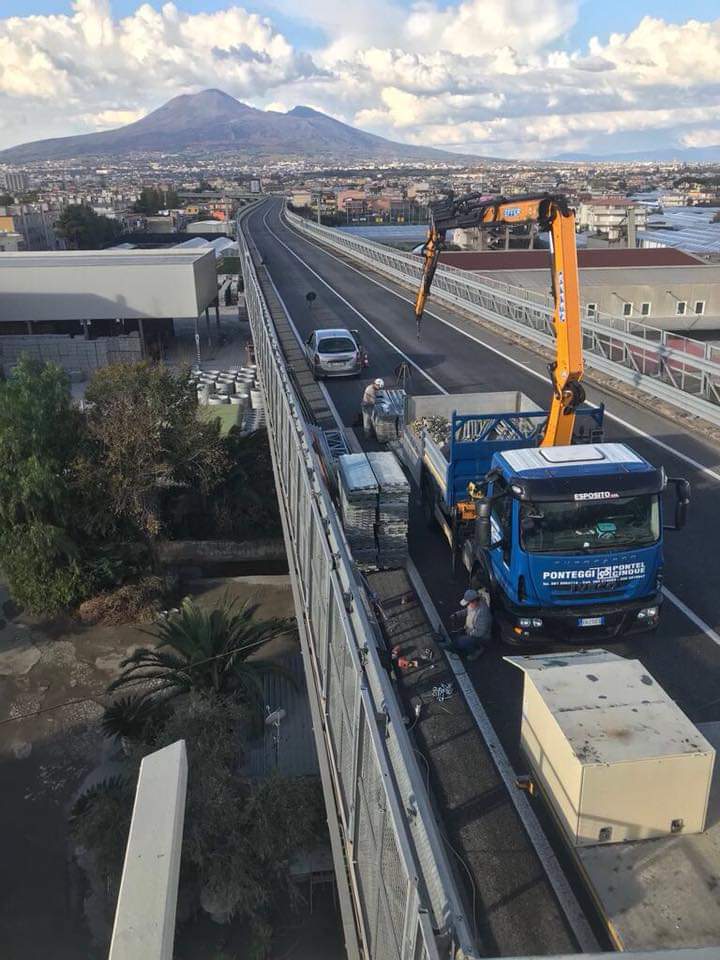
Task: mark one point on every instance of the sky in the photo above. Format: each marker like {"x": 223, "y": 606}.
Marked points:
{"x": 515, "y": 78}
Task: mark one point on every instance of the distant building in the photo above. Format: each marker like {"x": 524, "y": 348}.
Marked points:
{"x": 255, "y": 186}
{"x": 11, "y": 242}
{"x": 352, "y": 203}
{"x": 226, "y": 227}
{"x": 301, "y": 198}
{"x": 33, "y": 222}
{"x": 15, "y": 181}
{"x": 169, "y": 221}
{"x": 611, "y": 217}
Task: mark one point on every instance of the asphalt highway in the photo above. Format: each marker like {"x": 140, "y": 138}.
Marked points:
{"x": 457, "y": 355}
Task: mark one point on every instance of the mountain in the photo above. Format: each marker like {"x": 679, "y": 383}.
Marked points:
{"x": 651, "y": 155}
{"x": 213, "y": 121}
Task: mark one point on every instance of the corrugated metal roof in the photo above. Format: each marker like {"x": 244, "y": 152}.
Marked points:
{"x": 113, "y": 257}
{"x": 689, "y": 228}
{"x": 294, "y": 754}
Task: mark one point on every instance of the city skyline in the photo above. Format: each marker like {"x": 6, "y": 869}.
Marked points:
{"x": 467, "y": 77}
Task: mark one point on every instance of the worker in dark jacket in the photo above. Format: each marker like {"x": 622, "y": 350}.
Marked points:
{"x": 369, "y": 399}
{"x": 478, "y": 624}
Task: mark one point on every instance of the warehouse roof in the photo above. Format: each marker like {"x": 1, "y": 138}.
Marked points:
{"x": 614, "y": 277}
{"x": 690, "y": 228}
{"x": 106, "y": 284}
{"x": 540, "y": 259}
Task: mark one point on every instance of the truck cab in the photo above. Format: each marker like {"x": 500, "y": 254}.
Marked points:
{"x": 570, "y": 542}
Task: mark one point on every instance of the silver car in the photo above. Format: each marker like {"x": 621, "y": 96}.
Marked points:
{"x": 335, "y": 353}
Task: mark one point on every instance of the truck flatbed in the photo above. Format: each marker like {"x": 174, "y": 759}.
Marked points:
{"x": 664, "y": 893}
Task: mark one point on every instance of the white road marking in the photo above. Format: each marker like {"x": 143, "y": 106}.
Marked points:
{"x": 690, "y": 614}
{"x": 558, "y": 881}
{"x": 354, "y": 309}
{"x": 708, "y": 471}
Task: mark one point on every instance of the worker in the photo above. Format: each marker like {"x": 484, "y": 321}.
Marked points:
{"x": 369, "y": 399}
{"x": 471, "y": 640}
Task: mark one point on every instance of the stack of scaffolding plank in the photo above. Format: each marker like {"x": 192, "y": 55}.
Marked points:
{"x": 391, "y": 530}
{"x": 358, "y": 503}
{"x": 388, "y": 415}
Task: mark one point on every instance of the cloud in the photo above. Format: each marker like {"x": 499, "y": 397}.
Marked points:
{"x": 490, "y": 76}
{"x": 701, "y": 138}
{"x": 113, "y": 118}
{"x": 65, "y": 74}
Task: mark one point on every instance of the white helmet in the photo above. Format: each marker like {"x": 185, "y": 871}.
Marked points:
{"x": 380, "y": 384}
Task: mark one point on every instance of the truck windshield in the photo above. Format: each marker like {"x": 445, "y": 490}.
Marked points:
{"x": 570, "y": 527}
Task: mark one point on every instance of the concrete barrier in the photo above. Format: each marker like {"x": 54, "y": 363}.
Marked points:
{"x": 199, "y": 552}
{"x": 145, "y": 915}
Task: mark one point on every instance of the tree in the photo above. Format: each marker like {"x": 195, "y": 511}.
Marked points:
{"x": 246, "y": 499}
{"x": 239, "y": 834}
{"x": 152, "y": 200}
{"x": 201, "y": 649}
{"x": 46, "y": 523}
{"x": 6, "y": 199}
{"x": 83, "y": 229}
{"x": 147, "y": 438}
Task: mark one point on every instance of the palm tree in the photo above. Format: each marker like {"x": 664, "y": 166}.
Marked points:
{"x": 132, "y": 719}
{"x": 205, "y": 649}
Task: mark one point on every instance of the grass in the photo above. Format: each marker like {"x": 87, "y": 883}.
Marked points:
{"x": 227, "y": 414}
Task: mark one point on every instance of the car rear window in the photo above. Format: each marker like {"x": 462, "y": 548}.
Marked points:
{"x": 336, "y": 345}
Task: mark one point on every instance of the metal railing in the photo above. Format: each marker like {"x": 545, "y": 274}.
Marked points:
{"x": 406, "y": 903}
{"x": 677, "y": 369}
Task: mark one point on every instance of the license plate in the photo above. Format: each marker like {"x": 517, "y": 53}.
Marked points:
{"x": 590, "y": 621}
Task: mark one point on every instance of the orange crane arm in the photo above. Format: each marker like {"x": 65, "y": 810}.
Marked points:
{"x": 553, "y": 213}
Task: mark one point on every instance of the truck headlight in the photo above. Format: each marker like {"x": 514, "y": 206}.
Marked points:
{"x": 648, "y": 613}
{"x": 527, "y": 622}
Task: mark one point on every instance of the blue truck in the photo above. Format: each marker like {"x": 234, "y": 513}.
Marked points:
{"x": 568, "y": 539}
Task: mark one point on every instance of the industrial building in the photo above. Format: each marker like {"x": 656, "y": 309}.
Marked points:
{"x": 686, "y": 228}
{"x": 85, "y": 296}
{"x": 665, "y": 288}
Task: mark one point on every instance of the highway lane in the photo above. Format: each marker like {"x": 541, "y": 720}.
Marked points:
{"x": 683, "y": 657}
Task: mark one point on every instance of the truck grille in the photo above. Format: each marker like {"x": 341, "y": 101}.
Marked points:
{"x": 606, "y": 588}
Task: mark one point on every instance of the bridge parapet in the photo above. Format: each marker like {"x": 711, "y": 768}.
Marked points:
{"x": 388, "y": 847}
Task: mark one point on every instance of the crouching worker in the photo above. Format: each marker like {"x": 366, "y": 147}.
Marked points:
{"x": 369, "y": 400}
{"x": 471, "y": 640}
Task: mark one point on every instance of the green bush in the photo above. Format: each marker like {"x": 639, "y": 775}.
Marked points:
{"x": 44, "y": 570}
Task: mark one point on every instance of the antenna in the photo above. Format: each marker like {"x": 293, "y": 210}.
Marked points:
{"x": 274, "y": 720}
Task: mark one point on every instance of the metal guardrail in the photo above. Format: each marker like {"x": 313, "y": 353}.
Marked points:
{"x": 676, "y": 369}
{"x": 407, "y": 906}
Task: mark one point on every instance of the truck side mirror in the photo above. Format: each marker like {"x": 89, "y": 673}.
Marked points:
{"x": 482, "y": 523}
{"x": 682, "y": 502}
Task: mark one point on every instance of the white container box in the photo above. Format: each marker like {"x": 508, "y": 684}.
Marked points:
{"x": 616, "y": 757}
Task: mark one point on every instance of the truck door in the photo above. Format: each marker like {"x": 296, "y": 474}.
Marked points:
{"x": 501, "y": 523}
